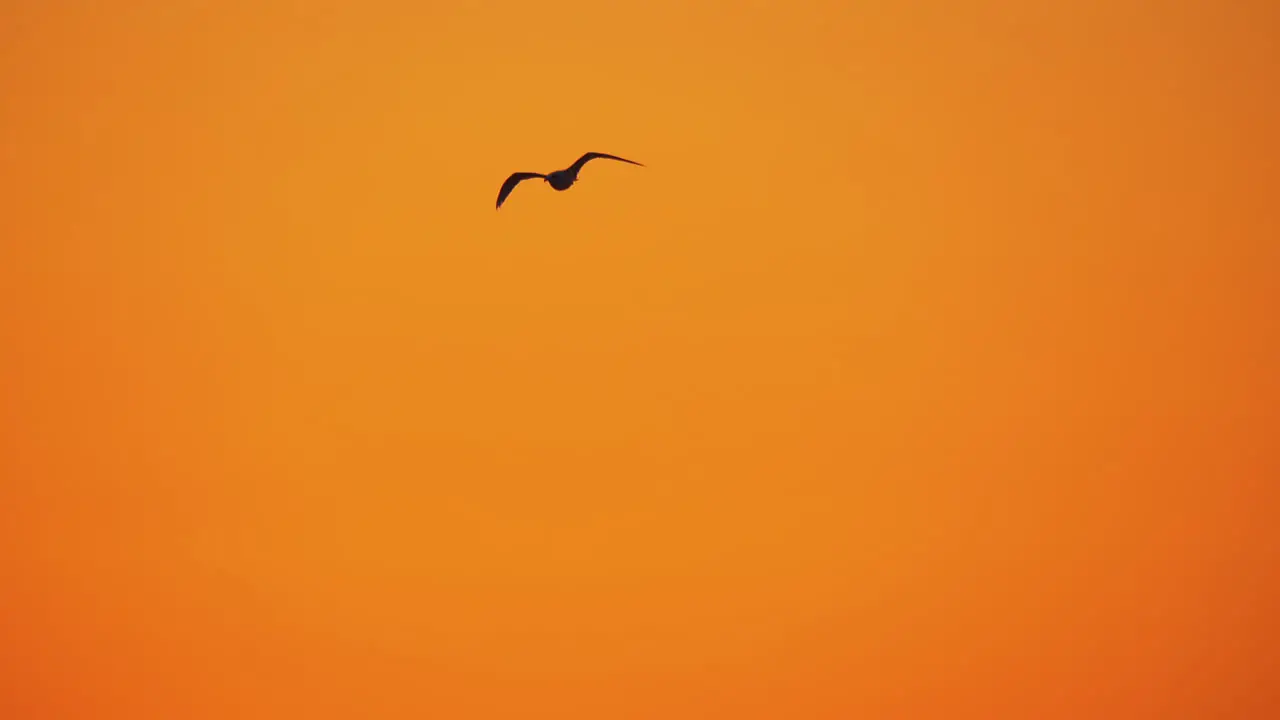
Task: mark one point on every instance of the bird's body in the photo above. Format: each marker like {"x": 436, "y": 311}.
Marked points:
{"x": 559, "y": 179}
{"x": 562, "y": 179}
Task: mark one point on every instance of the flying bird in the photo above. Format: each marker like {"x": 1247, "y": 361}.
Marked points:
{"x": 560, "y": 179}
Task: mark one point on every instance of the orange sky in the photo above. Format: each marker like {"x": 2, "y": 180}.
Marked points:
{"x": 926, "y": 371}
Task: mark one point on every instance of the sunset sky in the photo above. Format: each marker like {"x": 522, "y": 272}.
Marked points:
{"x": 930, "y": 367}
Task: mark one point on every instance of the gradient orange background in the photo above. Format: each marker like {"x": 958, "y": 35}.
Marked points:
{"x": 928, "y": 370}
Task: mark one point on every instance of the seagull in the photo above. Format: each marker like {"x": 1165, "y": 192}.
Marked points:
{"x": 560, "y": 179}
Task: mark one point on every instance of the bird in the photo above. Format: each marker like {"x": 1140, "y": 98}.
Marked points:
{"x": 560, "y": 179}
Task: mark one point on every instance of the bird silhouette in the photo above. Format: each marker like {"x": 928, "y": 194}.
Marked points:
{"x": 560, "y": 179}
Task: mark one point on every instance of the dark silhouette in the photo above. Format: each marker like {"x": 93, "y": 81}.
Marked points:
{"x": 560, "y": 179}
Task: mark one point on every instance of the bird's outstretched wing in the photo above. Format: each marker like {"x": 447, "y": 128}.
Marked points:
{"x": 511, "y": 183}
{"x": 593, "y": 155}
